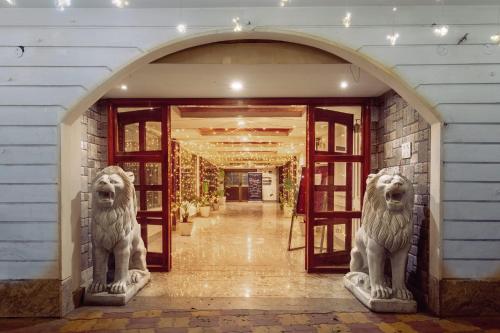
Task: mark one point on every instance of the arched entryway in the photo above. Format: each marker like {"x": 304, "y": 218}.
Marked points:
{"x": 69, "y": 140}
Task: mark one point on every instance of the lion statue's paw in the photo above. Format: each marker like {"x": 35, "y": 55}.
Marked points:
{"x": 97, "y": 287}
{"x": 402, "y": 293}
{"x": 118, "y": 287}
{"x": 135, "y": 275}
{"x": 381, "y": 291}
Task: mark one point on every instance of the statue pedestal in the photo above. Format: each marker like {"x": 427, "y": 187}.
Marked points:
{"x": 105, "y": 298}
{"x": 357, "y": 283}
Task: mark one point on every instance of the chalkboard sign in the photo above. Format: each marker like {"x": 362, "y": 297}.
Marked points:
{"x": 254, "y": 186}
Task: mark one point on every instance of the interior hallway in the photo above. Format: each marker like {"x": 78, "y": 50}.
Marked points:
{"x": 241, "y": 251}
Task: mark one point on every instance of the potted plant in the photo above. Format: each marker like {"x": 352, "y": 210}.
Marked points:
{"x": 185, "y": 225}
{"x": 204, "y": 205}
{"x": 288, "y": 197}
{"x": 222, "y": 197}
{"x": 214, "y": 201}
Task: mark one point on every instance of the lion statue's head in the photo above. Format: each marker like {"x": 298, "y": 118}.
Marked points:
{"x": 387, "y": 209}
{"x": 113, "y": 188}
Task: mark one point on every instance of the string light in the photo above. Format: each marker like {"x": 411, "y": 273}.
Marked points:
{"x": 181, "y": 28}
{"x": 346, "y": 21}
{"x": 62, "y": 4}
{"x": 441, "y": 30}
{"x": 393, "y": 38}
{"x": 237, "y": 25}
{"x": 120, "y": 3}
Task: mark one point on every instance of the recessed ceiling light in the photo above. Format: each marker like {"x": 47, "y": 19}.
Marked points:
{"x": 124, "y": 87}
{"x": 344, "y": 85}
{"x": 236, "y": 85}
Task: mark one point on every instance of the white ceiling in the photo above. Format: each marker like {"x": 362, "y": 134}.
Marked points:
{"x": 277, "y": 80}
{"x": 239, "y": 3}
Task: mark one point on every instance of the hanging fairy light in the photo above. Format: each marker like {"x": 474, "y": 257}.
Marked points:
{"x": 394, "y": 36}
{"x": 442, "y": 29}
{"x": 63, "y": 4}
{"x": 181, "y": 27}
{"x": 495, "y": 38}
{"x": 120, "y": 3}
{"x": 346, "y": 21}
{"x": 237, "y": 25}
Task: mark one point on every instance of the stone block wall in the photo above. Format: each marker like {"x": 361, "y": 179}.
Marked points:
{"x": 394, "y": 122}
{"x": 94, "y": 145}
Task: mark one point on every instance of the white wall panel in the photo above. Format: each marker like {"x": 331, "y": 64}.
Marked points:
{"x": 453, "y": 191}
{"x": 456, "y": 152}
{"x": 28, "y": 251}
{"x": 473, "y": 229}
{"x": 33, "y": 154}
{"x": 28, "y": 193}
{"x": 28, "y": 231}
{"x": 28, "y": 212}
{"x": 466, "y": 249}
{"x": 68, "y": 53}
{"x": 20, "y": 135}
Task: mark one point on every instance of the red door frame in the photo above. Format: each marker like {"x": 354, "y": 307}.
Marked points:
{"x": 164, "y": 103}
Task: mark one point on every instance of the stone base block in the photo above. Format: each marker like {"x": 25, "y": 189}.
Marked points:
{"x": 356, "y": 283}
{"x": 108, "y": 299}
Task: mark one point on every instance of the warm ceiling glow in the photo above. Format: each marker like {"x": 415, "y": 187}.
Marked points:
{"x": 124, "y": 87}
{"x": 236, "y": 85}
{"x": 344, "y": 84}
{"x": 181, "y": 28}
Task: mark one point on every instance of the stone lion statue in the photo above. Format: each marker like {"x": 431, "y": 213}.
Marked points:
{"x": 386, "y": 230}
{"x": 115, "y": 230}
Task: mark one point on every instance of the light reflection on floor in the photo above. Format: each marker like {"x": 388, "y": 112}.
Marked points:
{"x": 241, "y": 251}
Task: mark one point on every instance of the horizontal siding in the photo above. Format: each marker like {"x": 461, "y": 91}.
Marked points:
{"x": 454, "y": 191}
{"x": 68, "y": 56}
{"x": 33, "y": 135}
{"x": 28, "y": 174}
{"x": 68, "y": 53}
{"x": 28, "y": 212}
{"x": 34, "y": 154}
{"x": 28, "y": 193}
{"x": 273, "y": 16}
{"x": 477, "y": 172}
{"x": 472, "y": 230}
{"x": 29, "y": 270}
{"x": 474, "y": 152}
{"x": 466, "y": 249}
{"x": 470, "y": 113}
{"x": 472, "y": 269}
{"x": 471, "y": 211}
{"x": 29, "y": 231}
{"x": 478, "y": 133}
{"x": 30, "y": 115}
{"x": 49, "y": 76}
{"x": 28, "y": 251}
{"x": 449, "y": 74}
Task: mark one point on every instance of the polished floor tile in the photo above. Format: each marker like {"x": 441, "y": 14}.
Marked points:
{"x": 241, "y": 251}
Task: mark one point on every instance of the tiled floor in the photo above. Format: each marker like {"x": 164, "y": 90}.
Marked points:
{"x": 156, "y": 321}
{"x": 241, "y": 251}
{"x": 234, "y": 274}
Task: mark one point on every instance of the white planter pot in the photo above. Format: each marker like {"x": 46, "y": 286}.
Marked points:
{"x": 287, "y": 211}
{"x": 205, "y": 211}
{"x": 186, "y": 228}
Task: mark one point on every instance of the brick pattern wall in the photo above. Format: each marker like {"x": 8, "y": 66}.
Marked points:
{"x": 394, "y": 122}
{"x": 94, "y": 145}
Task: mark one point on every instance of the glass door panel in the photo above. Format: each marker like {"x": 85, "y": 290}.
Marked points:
{"x": 335, "y": 166}
{"x": 140, "y": 148}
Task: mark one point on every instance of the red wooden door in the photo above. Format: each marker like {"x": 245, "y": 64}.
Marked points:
{"x": 141, "y": 146}
{"x": 335, "y": 175}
